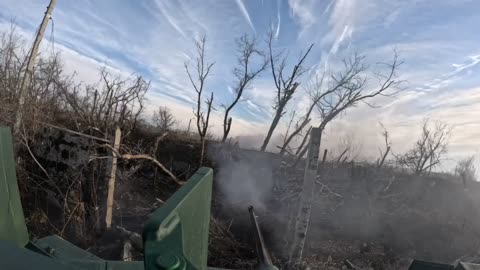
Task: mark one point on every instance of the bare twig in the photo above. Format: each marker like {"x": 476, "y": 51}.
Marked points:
{"x": 76, "y": 133}
{"x": 147, "y": 157}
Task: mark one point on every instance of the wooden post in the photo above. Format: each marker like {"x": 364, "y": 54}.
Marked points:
{"x": 324, "y": 156}
{"x": 27, "y": 77}
{"x": 305, "y": 204}
{"x": 111, "y": 179}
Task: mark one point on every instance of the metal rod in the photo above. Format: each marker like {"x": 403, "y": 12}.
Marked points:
{"x": 262, "y": 252}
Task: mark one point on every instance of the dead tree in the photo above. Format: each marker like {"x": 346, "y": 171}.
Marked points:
{"x": 203, "y": 68}
{"x": 101, "y": 108}
{"x": 245, "y": 74}
{"x": 428, "y": 149}
{"x": 316, "y": 95}
{"x": 163, "y": 118}
{"x": 285, "y": 146}
{"x": 347, "y": 88}
{"x": 350, "y": 148}
{"x": 388, "y": 146}
{"x": 286, "y": 84}
{"x": 465, "y": 169}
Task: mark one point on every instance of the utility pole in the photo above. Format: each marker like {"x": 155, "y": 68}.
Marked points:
{"x": 27, "y": 77}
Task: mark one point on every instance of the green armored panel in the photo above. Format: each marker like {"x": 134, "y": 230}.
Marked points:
{"x": 426, "y": 265}
{"x": 176, "y": 235}
{"x": 467, "y": 266}
{"x": 60, "y": 249}
{"x": 18, "y": 258}
{"x": 12, "y": 221}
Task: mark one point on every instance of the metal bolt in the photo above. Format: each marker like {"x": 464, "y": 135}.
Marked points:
{"x": 50, "y": 250}
{"x": 171, "y": 262}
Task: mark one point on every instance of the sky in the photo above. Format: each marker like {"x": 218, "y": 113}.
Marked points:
{"x": 437, "y": 39}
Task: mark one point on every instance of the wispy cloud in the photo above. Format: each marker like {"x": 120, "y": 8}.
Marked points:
{"x": 449, "y": 78}
{"x": 171, "y": 20}
{"x": 155, "y": 39}
{"x": 302, "y": 12}
{"x": 245, "y": 14}
{"x": 346, "y": 33}
{"x": 472, "y": 61}
{"x": 279, "y": 5}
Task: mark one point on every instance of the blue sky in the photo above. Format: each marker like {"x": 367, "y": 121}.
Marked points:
{"x": 438, "y": 40}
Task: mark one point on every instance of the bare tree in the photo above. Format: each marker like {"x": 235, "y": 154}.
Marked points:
{"x": 245, "y": 74}
{"x": 118, "y": 102}
{"x": 203, "y": 68}
{"x": 41, "y": 99}
{"x": 163, "y": 118}
{"x": 388, "y": 147}
{"x": 465, "y": 169}
{"x": 286, "y": 84}
{"x": 12, "y": 62}
{"x": 304, "y": 140}
{"x": 315, "y": 96}
{"x": 285, "y": 148}
{"x": 347, "y": 88}
{"x": 428, "y": 149}
{"x": 348, "y": 147}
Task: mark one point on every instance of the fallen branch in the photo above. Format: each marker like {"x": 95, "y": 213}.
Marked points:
{"x": 328, "y": 189}
{"x": 75, "y": 132}
{"x": 350, "y": 265}
{"x": 133, "y": 237}
{"x": 147, "y": 157}
{"x": 157, "y": 141}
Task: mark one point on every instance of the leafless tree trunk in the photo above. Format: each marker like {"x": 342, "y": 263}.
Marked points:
{"x": 348, "y": 87}
{"x": 205, "y": 124}
{"x": 339, "y": 159}
{"x": 203, "y": 68}
{"x": 244, "y": 74}
{"x": 316, "y": 95}
{"x": 286, "y": 85}
{"x": 285, "y": 148}
{"x": 304, "y": 140}
{"x": 388, "y": 146}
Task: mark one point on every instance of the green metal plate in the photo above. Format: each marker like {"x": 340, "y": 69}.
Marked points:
{"x": 179, "y": 229}
{"x": 14, "y": 257}
{"x": 12, "y": 220}
{"x": 58, "y": 248}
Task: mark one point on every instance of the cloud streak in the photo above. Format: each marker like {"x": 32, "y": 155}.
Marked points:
{"x": 245, "y": 14}
{"x": 346, "y": 33}
{"x": 171, "y": 20}
{"x": 279, "y": 5}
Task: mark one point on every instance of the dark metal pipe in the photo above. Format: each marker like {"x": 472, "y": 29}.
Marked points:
{"x": 264, "y": 259}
